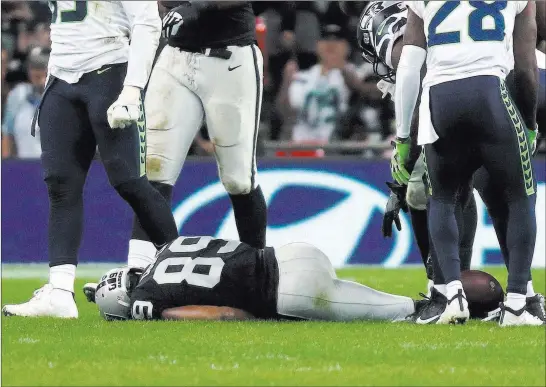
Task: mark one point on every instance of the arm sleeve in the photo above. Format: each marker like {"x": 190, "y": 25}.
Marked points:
{"x": 145, "y": 33}
{"x": 418, "y": 7}
{"x": 408, "y": 83}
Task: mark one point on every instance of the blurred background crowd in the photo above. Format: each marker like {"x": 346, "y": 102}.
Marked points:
{"x": 318, "y": 92}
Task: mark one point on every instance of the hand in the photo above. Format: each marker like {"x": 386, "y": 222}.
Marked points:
{"x": 398, "y": 159}
{"x": 182, "y": 15}
{"x": 386, "y": 88}
{"x": 290, "y": 69}
{"x": 397, "y": 202}
{"x": 127, "y": 109}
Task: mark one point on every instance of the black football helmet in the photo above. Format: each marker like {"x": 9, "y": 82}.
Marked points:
{"x": 371, "y": 33}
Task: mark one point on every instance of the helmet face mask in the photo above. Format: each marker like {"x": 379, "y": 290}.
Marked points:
{"x": 113, "y": 293}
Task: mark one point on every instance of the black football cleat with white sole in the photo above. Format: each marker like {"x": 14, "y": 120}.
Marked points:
{"x": 432, "y": 311}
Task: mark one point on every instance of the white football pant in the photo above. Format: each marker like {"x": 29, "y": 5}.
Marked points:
{"x": 309, "y": 289}
{"x": 186, "y": 88}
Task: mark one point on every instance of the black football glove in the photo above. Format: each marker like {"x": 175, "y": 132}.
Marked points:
{"x": 184, "y": 14}
{"x": 397, "y": 202}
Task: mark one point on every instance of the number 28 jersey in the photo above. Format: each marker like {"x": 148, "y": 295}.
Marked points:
{"x": 467, "y": 38}
{"x": 208, "y": 271}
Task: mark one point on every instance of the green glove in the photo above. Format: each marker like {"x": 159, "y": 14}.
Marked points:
{"x": 532, "y": 134}
{"x": 399, "y": 157}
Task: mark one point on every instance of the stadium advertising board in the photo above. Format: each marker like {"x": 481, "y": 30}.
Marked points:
{"x": 336, "y": 205}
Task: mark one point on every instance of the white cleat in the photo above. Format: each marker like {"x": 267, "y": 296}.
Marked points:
{"x": 456, "y": 311}
{"x": 46, "y": 302}
{"x": 510, "y": 317}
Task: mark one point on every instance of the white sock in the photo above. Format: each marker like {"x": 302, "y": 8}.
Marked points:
{"x": 62, "y": 277}
{"x": 453, "y": 288}
{"x": 430, "y": 284}
{"x": 530, "y": 289}
{"x": 141, "y": 253}
{"x": 515, "y": 301}
{"x": 441, "y": 289}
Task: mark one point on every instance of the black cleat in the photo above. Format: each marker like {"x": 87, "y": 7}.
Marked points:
{"x": 434, "y": 308}
{"x": 535, "y": 306}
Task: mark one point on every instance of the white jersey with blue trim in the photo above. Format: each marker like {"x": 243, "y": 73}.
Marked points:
{"x": 467, "y": 39}
{"x": 86, "y": 35}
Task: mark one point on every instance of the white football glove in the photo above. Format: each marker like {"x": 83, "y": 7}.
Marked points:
{"x": 126, "y": 110}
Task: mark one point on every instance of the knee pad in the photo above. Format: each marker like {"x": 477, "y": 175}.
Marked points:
{"x": 64, "y": 189}
{"x": 236, "y": 185}
{"x": 416, "y": 195}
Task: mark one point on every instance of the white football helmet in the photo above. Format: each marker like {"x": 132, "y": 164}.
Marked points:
{"x": 113, "y": 292}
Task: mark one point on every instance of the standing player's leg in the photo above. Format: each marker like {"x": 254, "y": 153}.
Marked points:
{"x": 123, "y": 153}
{"x": 68, "y": 147}
{"x": 309, "y": 289}
{"x": 450, "y": 163}
{"x": 232, "y": 110}
{"x": 170, "y": 132}
{"x": 507, "y": 158}
{"x": 416, "y": 198}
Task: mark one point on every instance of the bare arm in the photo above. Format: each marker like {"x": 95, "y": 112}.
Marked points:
{"x": 525, "y": 67}
{"x": 366, "y": 89}
{"x": 7, "y": 146}
{"x": 205, "y": 312}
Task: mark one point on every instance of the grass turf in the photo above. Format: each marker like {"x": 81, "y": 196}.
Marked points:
{"x": 92, "y": 352}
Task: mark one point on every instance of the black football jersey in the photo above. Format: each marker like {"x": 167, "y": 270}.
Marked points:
{"x": 219, "y": 28}
{"x": 208, "y": 271}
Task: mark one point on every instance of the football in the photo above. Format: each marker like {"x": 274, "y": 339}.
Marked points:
{"x": 483, "y": 292}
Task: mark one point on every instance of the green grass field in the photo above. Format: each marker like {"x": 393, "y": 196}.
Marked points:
{"x": 92, "y": 352}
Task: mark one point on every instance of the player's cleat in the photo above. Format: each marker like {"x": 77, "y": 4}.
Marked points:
{"x": 89, "y": 289}
{"x": 45, "y": 302}
{"x": 420, "y": 305}
{"x": 433, "y": 310}
{"x": 511, "y": 317}
{"x": 456, "y": 311}
{"x": 535, "y": 306}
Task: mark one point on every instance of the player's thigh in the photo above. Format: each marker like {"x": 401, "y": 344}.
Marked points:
{"x": 451, "y": 160}
{"x": 66, "y": 138}
{"x": 232, "y": 111}
{"x": 505, "y": 146}
{"x": 416, "y": 195}
{"x": 122, "y": 151}
{"x": 174, "y": 115}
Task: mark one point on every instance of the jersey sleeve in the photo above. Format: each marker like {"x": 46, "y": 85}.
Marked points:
{"x": 418, "y": 7}
{"x": 145, "y": 32}
{"x": 144, "y": 307}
